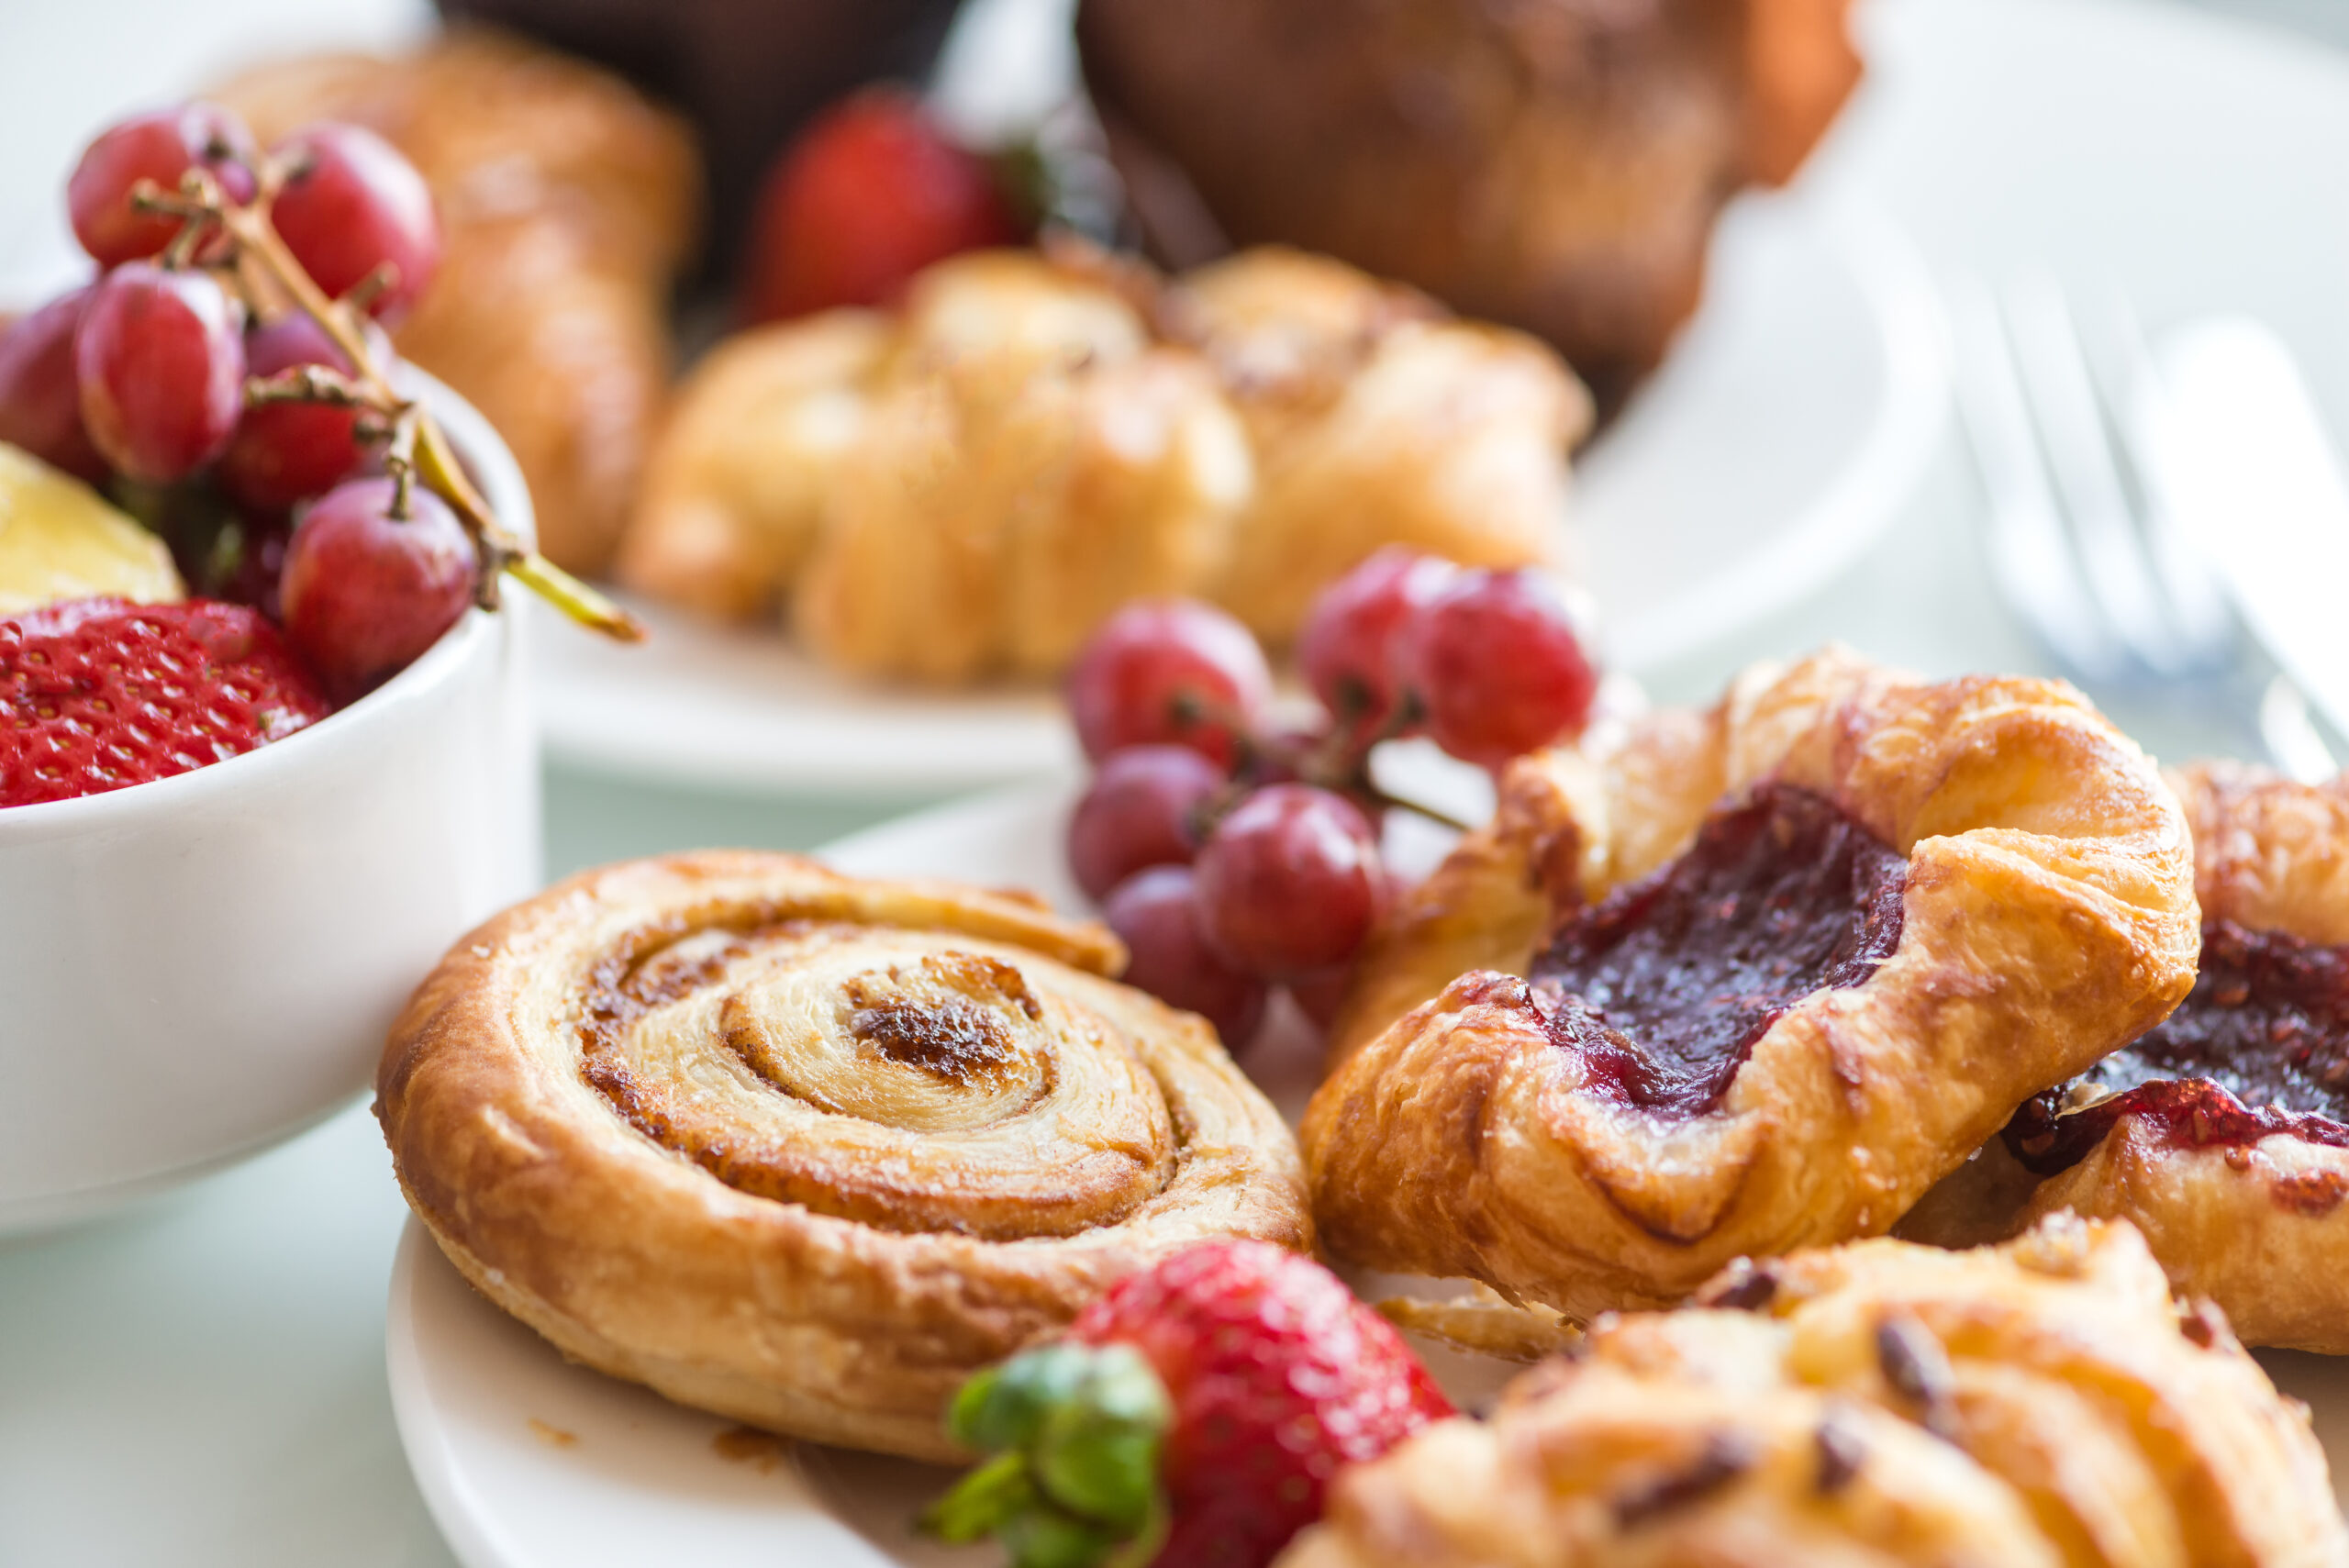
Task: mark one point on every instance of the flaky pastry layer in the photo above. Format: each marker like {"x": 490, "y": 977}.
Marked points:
{"x": 2039, "y": 1403}
{"x": 2048, "y": 916}
{"x": 968, "y": 485}
{"x": 2256, "y": 1224}
{"x": 805, "y": 1149}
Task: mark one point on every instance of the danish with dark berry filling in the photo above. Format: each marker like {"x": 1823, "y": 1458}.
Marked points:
{"x": 1746, "y": 981}
{"x": 2223, "y": 1132}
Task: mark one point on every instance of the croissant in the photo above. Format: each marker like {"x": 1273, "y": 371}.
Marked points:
{"x": 1750, "y": 980}
{"x": 734, "y": 494}
{"x": 1034, "y": 440}
{"x": 1376, "y": 420}
{"x": 2038, "y": 1405}
{"x": 805, "y": 1149}
{"x": 2222, "y": 1132}
{"x": 1034, "y": 462}
{"x": 567, "y": 203}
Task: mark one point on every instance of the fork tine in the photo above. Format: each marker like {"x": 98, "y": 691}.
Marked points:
{"x": 2073, "y": 436}
{"x": 2029, "y": 548}
{"x": 2205, "y": 619}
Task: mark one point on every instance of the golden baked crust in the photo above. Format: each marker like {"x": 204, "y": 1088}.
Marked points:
{"x": 1030, "y": 462}
{"x": 2047, "y": 915}
{"x": 734, "y": 493}
{"x": 805, "y": 1149}
{"x": 1376, "y": 420}
{"x": 2044, "y": 1403}
{"x": 2269, "y": 854}
{"x": 2241, "y": 1202}
{"x": 968, "y": 487}
{"x": 567, "y": 203}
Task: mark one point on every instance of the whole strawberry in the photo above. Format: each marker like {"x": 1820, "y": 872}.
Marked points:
{"x": 1193, "y": 1416}
{"x": 99, "y": 694}
{"x": 869, "y": 195}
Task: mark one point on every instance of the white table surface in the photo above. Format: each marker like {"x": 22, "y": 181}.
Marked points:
{"x": 200, "y": 1382}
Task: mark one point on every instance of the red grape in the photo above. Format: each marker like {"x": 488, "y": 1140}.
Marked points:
{"x": 40, "y": 397}
{"x": 250, "y": 571}
{"x": 1495, "y": 661}
{"x": 1347, "y": 646}
{"x": 161, "y": 359}
{"x": 1319, "y": 993}
{"x": 1290, "y": 880}
{"x": 365, "y": 592}
{"x": 1156, "y": 913}
{"x": 161, "y": 146}
{"x": 353, "y": 204}
{"x": 1139, "y": 812}
{"x": 1172, "y": 670}
{"x": 285, "y": 452}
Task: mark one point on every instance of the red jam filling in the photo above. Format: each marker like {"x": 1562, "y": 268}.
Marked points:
{"x": 1663, "y": 987}
{"x": 2259, "y": 1047}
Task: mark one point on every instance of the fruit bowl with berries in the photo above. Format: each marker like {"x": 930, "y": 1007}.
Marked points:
{"x": 264, "y": 742}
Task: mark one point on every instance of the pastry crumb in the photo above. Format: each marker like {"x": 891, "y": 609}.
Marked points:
{"x": 747, "y": 1445}
{"x": 553, "y": 1437}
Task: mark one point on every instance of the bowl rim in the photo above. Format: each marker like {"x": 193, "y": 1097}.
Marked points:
{"x": 484, "y": 451}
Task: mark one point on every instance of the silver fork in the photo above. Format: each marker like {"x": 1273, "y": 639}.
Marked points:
{"x": 2080, "y": 544}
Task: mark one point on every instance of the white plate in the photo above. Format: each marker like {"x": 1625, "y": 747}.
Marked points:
{"x": 1791, "y": 422}
{"x": 528, "y": 1460}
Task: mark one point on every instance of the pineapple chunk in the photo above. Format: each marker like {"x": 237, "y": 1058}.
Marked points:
{"x": 61, "y": 540}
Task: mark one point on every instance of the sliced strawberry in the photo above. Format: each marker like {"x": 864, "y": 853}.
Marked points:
{"x": 868, "y": 195}
{"x": 99, "y": 694}
{"x": 1194, "y": 1414}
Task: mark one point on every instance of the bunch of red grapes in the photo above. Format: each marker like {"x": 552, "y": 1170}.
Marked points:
{"x": 1234, "y": 851}
{"x": 149, "y": 380}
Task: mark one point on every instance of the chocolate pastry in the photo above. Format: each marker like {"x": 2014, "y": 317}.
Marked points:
{"x": 1556, "y": 165}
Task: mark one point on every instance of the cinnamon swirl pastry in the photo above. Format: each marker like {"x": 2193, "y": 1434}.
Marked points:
{"x": 2223, "y": 1132}
{"x": 805, "y": 1149}
{"x": 1747, "y": 981}
{"x": 2042, "y": 1404}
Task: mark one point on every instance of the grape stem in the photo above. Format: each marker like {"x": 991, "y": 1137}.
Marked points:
{"x": 1338, "y": 762}
{"x": 201, "y": 204}
{"x": 1440, "y": 819}
{"x": 399, "y": 462}
{"x": 1348, "y": 757}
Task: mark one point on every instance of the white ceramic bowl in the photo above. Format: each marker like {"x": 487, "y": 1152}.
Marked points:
{"x": 192, "y": 969}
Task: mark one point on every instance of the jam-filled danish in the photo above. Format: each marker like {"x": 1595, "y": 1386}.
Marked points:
{"x": 2040, "y": 1405}
{"x": 2223, "y": 1132}
{"x": 1746, "y": 981}
{"x": 807, "y": 1149}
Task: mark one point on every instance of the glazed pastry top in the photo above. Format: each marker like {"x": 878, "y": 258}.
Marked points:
{"x": 2042, "y": 1403}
